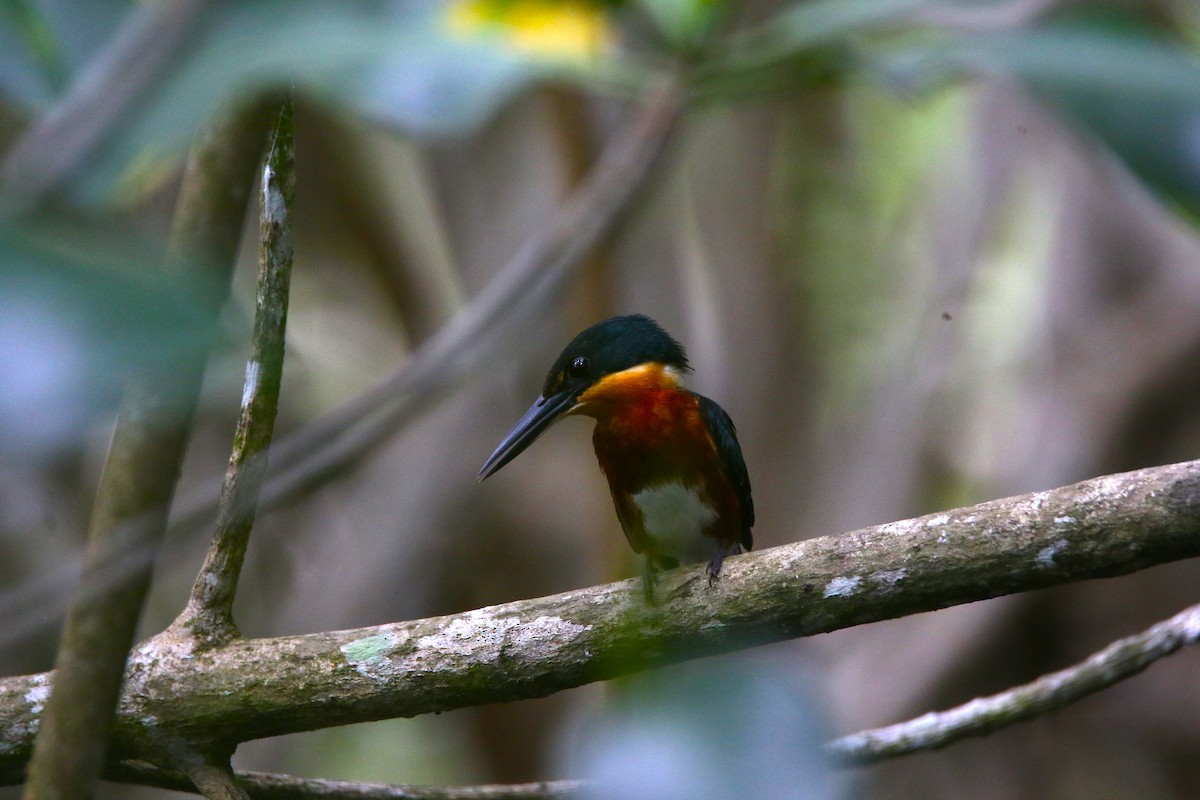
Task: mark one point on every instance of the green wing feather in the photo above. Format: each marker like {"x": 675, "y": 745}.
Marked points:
{"x": 724, "y": 435}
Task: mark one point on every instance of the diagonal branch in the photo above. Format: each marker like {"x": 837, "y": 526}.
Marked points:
{"x": 209, "y": 612}
{"x": 249, "y": 689}
{"x": 1120, "y": 660}
{"x": 534, "y": 275}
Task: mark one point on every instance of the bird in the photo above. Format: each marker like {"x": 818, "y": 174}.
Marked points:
{"x": 671, "y": 456}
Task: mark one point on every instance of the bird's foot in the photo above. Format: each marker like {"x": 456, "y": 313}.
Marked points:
{"x": 649, "y": 578}
{"x": 713, "y": 570}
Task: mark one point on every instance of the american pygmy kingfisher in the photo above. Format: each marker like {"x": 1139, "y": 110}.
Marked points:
{"x": 671, "y": 456}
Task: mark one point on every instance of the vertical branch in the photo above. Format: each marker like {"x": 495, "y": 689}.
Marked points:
{"x": 209, "y": 612}
{"x": 139, "y": 478}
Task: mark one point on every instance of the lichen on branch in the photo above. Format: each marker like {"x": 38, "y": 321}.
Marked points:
{"x": 256, "y": 688}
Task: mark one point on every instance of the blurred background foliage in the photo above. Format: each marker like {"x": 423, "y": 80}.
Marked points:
{"x": 925, "y": 253}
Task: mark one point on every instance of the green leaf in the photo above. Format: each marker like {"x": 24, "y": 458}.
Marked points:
{"x": 405, "y": 67}
{"x": 685, "y": 24}
{"x": 1138, "y": 94}
{"x": 79, "y": 309}
{"x": 43, "y": 44}
{"x": 807, "y": 43}
{"x": 807, "y": 25}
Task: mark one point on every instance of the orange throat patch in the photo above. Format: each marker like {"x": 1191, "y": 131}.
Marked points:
{"x": 643, "y": 386}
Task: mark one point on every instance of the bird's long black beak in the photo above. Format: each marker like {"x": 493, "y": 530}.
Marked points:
{"x": 532, "y": 424}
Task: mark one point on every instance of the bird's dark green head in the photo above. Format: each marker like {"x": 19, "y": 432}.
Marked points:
{"x": 610, "y": 346}
{"x": 604, "y": 349}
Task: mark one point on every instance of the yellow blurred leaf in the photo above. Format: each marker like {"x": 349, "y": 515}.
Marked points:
{"x": 539, "y": 28}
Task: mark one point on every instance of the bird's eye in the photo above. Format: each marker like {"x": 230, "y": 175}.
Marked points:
{"x": 579, "y": 367}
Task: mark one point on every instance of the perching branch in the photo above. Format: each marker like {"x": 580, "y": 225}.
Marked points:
{"x": 249, "y": 689}
{"x": 1120, "y": 660}
{"x": 479, "y": 331}
{"x": 209, "y": 612}
{"x": 130, "y": 513}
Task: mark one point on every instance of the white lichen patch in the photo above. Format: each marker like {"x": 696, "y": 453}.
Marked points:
{"x": 940, "y": 519}
{"x": 250, "y": 386}
{"x": 1045, "y": 557}
{"x": 481, "y": 637}
{"x": 38, "y": 694}
{"x": 477, "y": 637}
{"x": 176, "y": 647}
{"x": 1190, "y": 625}
{"x": 476, "y": 634}
{"x": 1064, "y": 520}
{"x": 272, "y": 199}
{"x": 842, "y": 587}
{"x": 901, "y": 528}
{"x": 152, "y": 656}
{"x": 546, "y": 630}
{"x": 18, "y": 733}
{"x": 889, "y": 577}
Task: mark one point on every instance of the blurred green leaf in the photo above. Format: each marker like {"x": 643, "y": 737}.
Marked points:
{"x": 22, "y": 79}
{"x": 44, "y": 42}
{"x": 806, "y": 43}
{"x": 404, "y": 64}
{"x": 1135, "y": 92}
{"x": 684, "y": 23}
{"x": 78, "y": 310}
{"x": 806, "y": 25}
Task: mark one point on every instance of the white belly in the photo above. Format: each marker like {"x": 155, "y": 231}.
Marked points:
{"x": 674, "y": 518}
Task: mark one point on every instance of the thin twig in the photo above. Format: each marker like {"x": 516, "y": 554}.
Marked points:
{"x": 209, "y": 612}
{"x": 480, "y": 331}
{"x": 54, "y": 145}
{"x": 129, "y": 517}
{"x": 270, "y": 786}
{"x": 255, "y": 688}
{"x": 1120, "y": 660}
